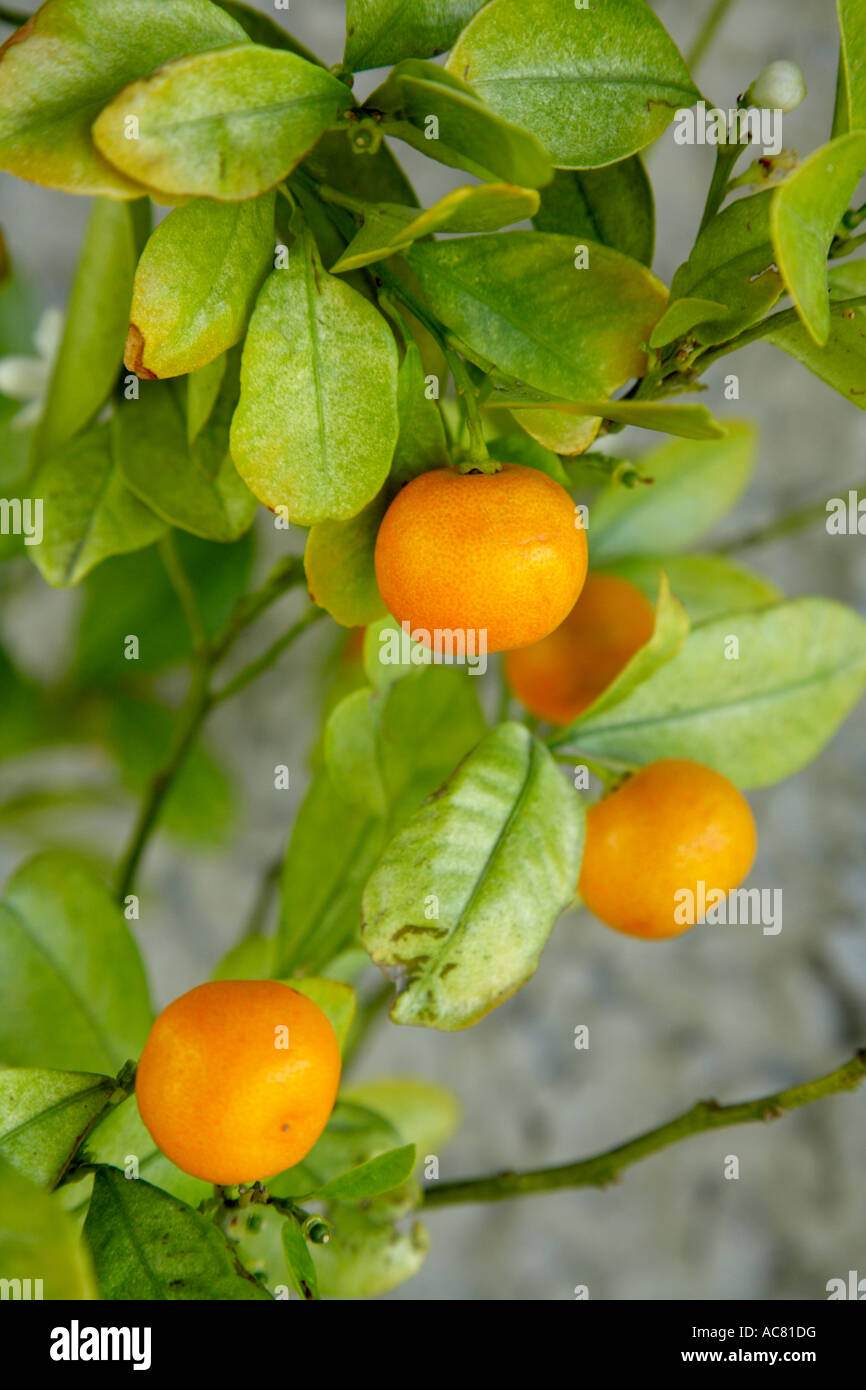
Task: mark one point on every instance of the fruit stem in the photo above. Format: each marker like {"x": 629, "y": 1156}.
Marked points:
{"x": 477, "y": 456}
{"x": 603, "y": 1169}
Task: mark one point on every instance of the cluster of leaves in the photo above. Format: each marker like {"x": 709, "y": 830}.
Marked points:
{"x": 280, "y": 328}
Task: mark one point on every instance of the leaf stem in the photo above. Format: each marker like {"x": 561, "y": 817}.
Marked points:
{"x": 199, "y": 701}
{"x": 173, "y": 564}
{"x": 726, "y": 158}
{"x": 275, "y": 650}
{"x": 707, "y": 32}
{"x": 605, "y": 1168}
{"x": 785, "y": 318}
{"x": 795, "y": 520}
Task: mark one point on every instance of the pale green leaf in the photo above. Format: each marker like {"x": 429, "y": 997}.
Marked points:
{"x": 499, "y": 849}
{"x": 594, "y": 84}
{"x": 39, "y": 1244}
{"x": 45, "y": 1115}
{"x": 706, "y": 585}
{"x": 381, "y": 32}
{"x": 338, "y": 560}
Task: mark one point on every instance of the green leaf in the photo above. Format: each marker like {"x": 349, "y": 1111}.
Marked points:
{"x": 121, "y": 1140}
{"x": 706, "y": 585}
{"x": 852, "y": 27}
{"x": 517, "y": 299}
{"x": 334, "y": 998}
{"x": 199, "y": 807}
{"x": 687, "y": 421}
{"x": 195, "y": 487}
{"x": 202, "y": 393}
{"x": 424, "y": 1113}
{"x": 421, "y": 443}
{"x": 732, "y": 263}
{"x": 229, "y": 124}
{"x": 805, "y": 214}
{"x": 91, "y": 351}
{"x": 338, "y": 561}
{"x": 317, "y": 421}
{"x": 432, "y": 110}
{"x": 196, "y": 284}
{"x": 45, "y": 1115}
{"x": 134, "y": 594}
{"x": 331, "y": 852}
{"x": 380, "y": 1174}
{"x": 382, "y": 32}
{"x": 694, "y": 485}
{"x": 390, "y": 749}
{"x": 375, "y": 177}
{"x": 497, "y": 853}
{"x": 756, "y": 719}
{"x": 353, "y": 1135}
{"x": 681, "y": 317}
{"x": 670, "y": 630}
{"x": 613, "y": 206}
{"x": 47, "y": 106}
{"x": 842, "y": 362}
{"x": 262, "y": 29}
{"x": 299, "y": 1261}
{"x": 594, "y": 85}
{"x": 38, "y": 1242}
{"x": 148, "y": 1245}
{"x": 389, "y": 228}
{"x": 367, "y": 1256}
{"x": 73, "y": 991}
{"x": 89, "y": 512}
{"x": 250, "y": 959}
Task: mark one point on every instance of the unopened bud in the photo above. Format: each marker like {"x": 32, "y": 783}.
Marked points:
{"x": 781, "y": 86}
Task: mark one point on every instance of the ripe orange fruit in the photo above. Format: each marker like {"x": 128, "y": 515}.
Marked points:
{"x": 237, "y": 1079}
{"x": 469, "y": 552}
{"x": 560, "y": 676}
{"x": 669, "y": 827}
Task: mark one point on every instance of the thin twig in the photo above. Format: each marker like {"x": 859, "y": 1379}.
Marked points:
{"x": 605, "y": 1168}
{"x": 707, "y": 32}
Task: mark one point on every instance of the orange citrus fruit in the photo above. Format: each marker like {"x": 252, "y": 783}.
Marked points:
{"x": 560, "y": 676}
{"x": 237, "y": 1079}
{"x": 481, "y": 552}
{"x": 651, "y": 843}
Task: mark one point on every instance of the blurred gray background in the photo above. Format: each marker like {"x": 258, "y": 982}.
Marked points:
{"x": 730, "y": 1014}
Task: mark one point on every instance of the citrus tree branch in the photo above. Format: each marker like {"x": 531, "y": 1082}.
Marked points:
{"x": 605, "y": 1168}
{"x": 201, "y": 698}
{"x": 796, "y": 520}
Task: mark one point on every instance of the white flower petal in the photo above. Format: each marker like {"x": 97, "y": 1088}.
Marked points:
{"x": 23, "y": 378}
{"x": 48, "y": 333}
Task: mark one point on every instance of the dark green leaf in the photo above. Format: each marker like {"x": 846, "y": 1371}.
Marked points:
{"x": 382, "y": 32}
{"x": 302, "y": 1271}
{"x": 613, "y": 206}
{"x": 148, "y": 1245}
{"x": 196, "y": 487}
{"x": 89, "y": 512}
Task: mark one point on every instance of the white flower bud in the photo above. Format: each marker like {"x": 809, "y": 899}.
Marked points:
{"x": 779, "y": 87}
